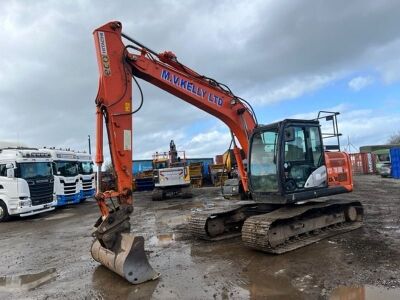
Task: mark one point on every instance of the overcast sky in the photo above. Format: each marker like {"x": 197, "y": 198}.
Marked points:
{"x": 287, "y": 58}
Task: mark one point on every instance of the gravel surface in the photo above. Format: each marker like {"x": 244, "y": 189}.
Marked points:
{"x": 47, "y": 256}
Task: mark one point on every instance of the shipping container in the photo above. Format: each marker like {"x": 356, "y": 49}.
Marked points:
{"x": 395, "y": 161}
{"x": 372, "y": 148}
{"x": 363, "y": 163}
{"x": 144, "y": 184}
{"x": 141, "y": 165}
{"x": 219, "y": 159}
{"x": 205, "y": 161}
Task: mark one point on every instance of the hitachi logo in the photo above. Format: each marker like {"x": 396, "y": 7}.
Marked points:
{"x": 102, "y": 43}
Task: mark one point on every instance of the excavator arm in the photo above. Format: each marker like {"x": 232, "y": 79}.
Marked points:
{"x": 114, "y": 101}
{"x": 114, "y": 247}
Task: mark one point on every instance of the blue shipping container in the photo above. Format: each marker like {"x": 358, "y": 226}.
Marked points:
{"x": 141, "y": 165}
{"x": 395, "y": 162}
{"x": 144, "y": 184}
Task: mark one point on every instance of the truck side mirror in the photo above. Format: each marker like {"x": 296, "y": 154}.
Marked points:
{"x": 10, "y": 172}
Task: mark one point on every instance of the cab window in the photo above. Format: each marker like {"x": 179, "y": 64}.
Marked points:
{"x": 3, "y": 170}
{"x": 263, "y": 169}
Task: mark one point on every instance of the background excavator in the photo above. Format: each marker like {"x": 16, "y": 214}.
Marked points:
{"x": 288, "y": 168}
{"x": 169, "y": 175}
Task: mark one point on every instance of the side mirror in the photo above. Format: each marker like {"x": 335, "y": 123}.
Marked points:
{"x": 10, "y": 173}
{"x": 10, "y": 170}
{"x": 289, "y": 134}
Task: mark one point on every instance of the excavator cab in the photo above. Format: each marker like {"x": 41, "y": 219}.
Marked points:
{"x": 287, "y": 163}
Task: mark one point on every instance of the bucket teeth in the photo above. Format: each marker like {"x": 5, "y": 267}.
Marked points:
{"x": 129, "y": 260}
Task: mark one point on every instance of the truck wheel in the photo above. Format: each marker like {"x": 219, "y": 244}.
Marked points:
{"x": 4, "y": 216}
{"x": 186, "y": 192}
{"x": 157, "y": 195}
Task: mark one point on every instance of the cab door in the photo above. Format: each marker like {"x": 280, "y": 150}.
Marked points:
{"x": 303, "y": 158}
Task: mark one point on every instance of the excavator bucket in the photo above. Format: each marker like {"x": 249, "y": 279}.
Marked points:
{"x": 129, "y": 260}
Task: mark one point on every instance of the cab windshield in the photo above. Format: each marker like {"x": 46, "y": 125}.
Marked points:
{"x": 34, "y": 170}
{"x": 85, "y": 167}
{"x": 161, "y": 165}
{"x": 66, "y": 168}
{"x": 262, "y": 167}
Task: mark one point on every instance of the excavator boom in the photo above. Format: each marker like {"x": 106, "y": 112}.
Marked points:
{"x": 114, "y": 246}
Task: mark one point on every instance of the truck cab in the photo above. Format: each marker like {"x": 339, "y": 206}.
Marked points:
{"x": 66, "y": 176}
{"x": 86, "y": 176}
{"x": 26, "y": 182}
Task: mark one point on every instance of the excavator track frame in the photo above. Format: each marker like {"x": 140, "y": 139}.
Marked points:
{"x": 302, "y": 224}
{"x": 220, "y": 224}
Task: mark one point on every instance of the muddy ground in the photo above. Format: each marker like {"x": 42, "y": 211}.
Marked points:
{"x": 47, "y": 256}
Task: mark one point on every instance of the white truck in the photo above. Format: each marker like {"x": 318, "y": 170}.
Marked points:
{"x": 87, "y": 177}
{"x": 66, "y": 176}
{"x": 26, "y": 182}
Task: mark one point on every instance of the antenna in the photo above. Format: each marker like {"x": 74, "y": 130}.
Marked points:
{"x": 350, "y": 146}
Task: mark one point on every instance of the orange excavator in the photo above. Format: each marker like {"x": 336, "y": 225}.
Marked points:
{"x": 288, "y": 168}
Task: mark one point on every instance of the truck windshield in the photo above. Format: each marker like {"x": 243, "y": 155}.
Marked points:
{"x": 66, "y": 168}
{"x": 34, "y": 170}
{"x": 85, "y": 167}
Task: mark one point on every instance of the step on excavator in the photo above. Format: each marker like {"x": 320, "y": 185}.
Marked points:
{"x": 286, "y": 181}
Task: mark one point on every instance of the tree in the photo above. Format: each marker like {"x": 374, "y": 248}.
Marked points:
{"x": 394, "y": 138}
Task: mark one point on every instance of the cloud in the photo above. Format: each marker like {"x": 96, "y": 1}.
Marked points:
{"x": 266, "y": 51}
{"x": 359, "y": 126}
{"x": 360, "y": 82}
{"x": 292, "y": 89}
{"x": 209, "y": 143}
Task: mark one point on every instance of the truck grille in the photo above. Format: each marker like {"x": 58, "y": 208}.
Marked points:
{"x": 87, "y": 184}
{"x": 41, "y": 191}
{"x": 69, "y": 188}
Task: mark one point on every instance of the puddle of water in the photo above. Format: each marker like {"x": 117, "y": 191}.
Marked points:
{"x": 162, "y": 239}
{"x": 175, "y": 220}
{"x": 272, "y": 287}
{"x": 107, "y": 285}
{"x": 183, "y": 206}
{"x": 27, "y": 281}
{"x": 59, "y": 216}
{"x": 364, "y": 293}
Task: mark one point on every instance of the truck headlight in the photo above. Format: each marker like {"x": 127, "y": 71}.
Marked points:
{"x": 25, "y": 202}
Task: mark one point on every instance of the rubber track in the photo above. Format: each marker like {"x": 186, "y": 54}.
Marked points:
{"x": 198, "y": 222}
{"x": 255, "y": 229}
